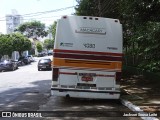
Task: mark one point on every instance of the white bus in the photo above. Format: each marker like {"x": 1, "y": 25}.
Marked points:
{"x": 87, "y": 58}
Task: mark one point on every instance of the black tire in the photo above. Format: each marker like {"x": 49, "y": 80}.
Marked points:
{"x": 39, "y": 69}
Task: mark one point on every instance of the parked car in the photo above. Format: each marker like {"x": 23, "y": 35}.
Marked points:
{"x": 40, "y": 54}
{"x": 31, "y": 58}
{"x": 50, "y": 53}
{"x": 44, "y": 64}
{"x": 44, "y": 53}
{"x": 8, "y": 65}
{"x": 1, "y": 68}
{"x": 17, "y": 62}
{"x": 24, "y": 60}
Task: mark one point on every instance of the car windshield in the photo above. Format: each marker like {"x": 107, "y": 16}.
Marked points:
{"x": 45, "y": 61}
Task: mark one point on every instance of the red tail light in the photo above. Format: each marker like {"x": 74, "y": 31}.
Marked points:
{"x": 55, "y": 73}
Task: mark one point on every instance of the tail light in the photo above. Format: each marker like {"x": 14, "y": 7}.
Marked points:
{"x": 55, "y": 72}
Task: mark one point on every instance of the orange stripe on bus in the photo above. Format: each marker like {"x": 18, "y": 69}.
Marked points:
{"x": 87, "y": 64}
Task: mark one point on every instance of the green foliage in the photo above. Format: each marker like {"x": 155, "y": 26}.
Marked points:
{"x": 98, "y": 8}
{"x": 20, "y": 42}
{"x": 86, "y": 8}
{"x": 48, "y": 44}
{"x": 39, "y": 47}
{"x": 150, "y": 66}
{"x": 6, "y": 45}
{"x": 33, "y": 29}
{"x": 52, "y": 29}
{"x": 13, "y": 42}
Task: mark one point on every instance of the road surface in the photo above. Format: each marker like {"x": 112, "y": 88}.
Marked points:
{"x": 28, "y": 89}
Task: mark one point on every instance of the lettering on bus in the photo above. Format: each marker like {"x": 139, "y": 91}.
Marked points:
{"x": 112, "y": 48}
{"x": 88, "y": 30}
{"x": 88, "y": 45}
{"x": 66, "y": 44}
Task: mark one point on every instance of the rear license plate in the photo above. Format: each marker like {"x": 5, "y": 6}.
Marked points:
{"x": 85, "y": 78}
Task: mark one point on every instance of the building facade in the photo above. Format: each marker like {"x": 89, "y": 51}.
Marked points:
{"x": 12, "y": 22}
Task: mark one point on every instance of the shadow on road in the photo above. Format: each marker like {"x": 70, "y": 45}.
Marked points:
{"x": 26, "y": 98}
{"x": 37, "y": 98}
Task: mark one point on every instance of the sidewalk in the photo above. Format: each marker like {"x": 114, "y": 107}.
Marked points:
{"x": 142, "y": 93}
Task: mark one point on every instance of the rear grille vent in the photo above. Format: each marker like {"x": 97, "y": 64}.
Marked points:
{"x": 73, "y": 86}
{"x": 101, "y": 88}
{"x": 79, "y": 87}
{"x": 64, "y": 86}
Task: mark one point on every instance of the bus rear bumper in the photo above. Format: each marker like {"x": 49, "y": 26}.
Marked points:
{"x": 85, "y": 93}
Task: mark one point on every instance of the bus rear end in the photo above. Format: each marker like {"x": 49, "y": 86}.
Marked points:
{"x": 87, "y": 58}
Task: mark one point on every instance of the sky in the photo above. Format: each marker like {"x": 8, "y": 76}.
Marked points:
{"x": 23, "y": 7}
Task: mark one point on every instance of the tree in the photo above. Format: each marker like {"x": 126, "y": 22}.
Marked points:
{"x": 99, "y": 8}
{"x": 140, "y": 19}
{"x": 13, "y": 42}
{"x": 6, "y": 45}
{"x": 20, "y": 43}
{"x": 86, "y": 8}
{"x": 52, "y": 29}
{"x": 33, "y": 29}
{"x": 141, "y": 26}
{"x": 39, "y": 47}
{"x": 48, "y": 44}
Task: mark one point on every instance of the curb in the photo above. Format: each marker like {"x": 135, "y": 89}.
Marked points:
{"x": 137, "y": 109}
